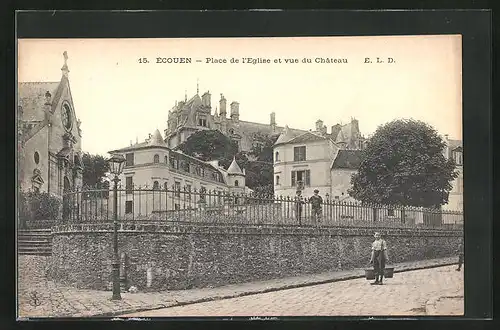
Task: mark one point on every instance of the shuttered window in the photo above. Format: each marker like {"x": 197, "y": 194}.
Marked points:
{"x": 129, "y": 185}
{"x": 299, "y": 153}
{"x": 129, "y": 159}
{"x": 303, "y": 176}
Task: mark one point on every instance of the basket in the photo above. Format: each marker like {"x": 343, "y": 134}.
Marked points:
{"x": 389, "y": 272}
{"x": 369, "y": 274}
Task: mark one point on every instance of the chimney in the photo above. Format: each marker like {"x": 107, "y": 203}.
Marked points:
{"x": 319, "y": 125}
{"x": 354, "y": 125}
{"x": 222, "y": 106}
{"x": 273, "y": 121}
{"x": 235, "y": 111}
{"x": 206, "y": 99}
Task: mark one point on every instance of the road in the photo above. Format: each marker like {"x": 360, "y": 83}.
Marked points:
{"x": 407, "y": 294}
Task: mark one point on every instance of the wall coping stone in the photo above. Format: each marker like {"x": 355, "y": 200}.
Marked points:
{"x": 181, "y": 229}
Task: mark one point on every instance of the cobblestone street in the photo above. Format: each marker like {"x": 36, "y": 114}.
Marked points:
{"x": 405, "y": 294}
{"x": 439, "y": 291}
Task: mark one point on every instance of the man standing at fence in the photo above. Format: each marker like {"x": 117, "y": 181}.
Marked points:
{"x": 316, "y": 203}
{"x": 379, "y": 258}
{"x": 299, "y": 201}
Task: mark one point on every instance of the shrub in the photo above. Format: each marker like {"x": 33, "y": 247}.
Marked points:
{"x": 38, "y": 206}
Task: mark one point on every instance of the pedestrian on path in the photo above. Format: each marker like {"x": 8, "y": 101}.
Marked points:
{"x": 316, "y": 203}
{"x": 460, "y": 252}
{"x": 378, "y": 258}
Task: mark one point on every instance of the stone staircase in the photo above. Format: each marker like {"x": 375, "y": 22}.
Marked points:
{"x": 34, "y": 242}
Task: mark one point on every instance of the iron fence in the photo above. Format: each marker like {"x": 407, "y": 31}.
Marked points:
{"x": 217, "y": 207}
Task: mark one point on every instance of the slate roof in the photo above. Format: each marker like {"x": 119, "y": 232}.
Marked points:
{"x": 248, "y": 127}
{"x": 347, "y": 159}
{"x": 132, "y": 147}
{"x": 31, "y": 97}
{"x": 307, "y": 137}
{"x": 234, "y": 168}
{"x": 157, "y": 139}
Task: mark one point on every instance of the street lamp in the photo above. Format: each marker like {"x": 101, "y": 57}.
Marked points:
{"x": 116, "y": 164}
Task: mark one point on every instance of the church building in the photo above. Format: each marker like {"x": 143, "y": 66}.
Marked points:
{"x": 49, "y": 136}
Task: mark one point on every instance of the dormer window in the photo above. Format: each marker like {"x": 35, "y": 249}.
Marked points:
{"x": 202, "y": 121}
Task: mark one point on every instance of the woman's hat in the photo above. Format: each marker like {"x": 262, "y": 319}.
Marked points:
{"x": 316, "y": 190}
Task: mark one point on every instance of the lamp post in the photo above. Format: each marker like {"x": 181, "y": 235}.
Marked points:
{"x": 116, "y": 164}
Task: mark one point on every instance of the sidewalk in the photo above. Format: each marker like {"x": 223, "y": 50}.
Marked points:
{"x": 39, "y": 297}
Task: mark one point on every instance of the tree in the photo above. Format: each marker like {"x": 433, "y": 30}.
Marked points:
{"x": 403, "y": 164}
{"x": 263, "y": 149}
{"x": 213, "y": 145}
{"x": 210, "y": 145}
{"x": 94, "y": 169}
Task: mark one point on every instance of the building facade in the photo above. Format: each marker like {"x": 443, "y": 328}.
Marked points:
{"x": 195, "y": 114}
{"x": 454, "y": 150}
{"x": 153, "y": 166}
{"x": 49, "y": 137}
{"x": 317, "y": 160}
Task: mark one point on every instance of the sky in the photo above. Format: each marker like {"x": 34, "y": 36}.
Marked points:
{"x": 119, "y": 100}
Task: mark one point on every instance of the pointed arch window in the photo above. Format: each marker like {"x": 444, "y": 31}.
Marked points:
{"x": 236, "y": 183}
{"x": 156, "y": 159}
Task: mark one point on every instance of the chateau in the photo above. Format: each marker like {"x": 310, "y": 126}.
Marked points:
{"x": 49, "y": 137}
{"x": 195, "y": 114}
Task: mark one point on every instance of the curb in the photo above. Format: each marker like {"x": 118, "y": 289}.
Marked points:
{"x": 267, "y": 290}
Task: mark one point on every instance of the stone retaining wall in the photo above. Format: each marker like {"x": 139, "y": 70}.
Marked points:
{"x": 186, "y": 256}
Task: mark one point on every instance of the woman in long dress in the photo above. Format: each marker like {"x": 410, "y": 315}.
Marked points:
{"x": 378, "y": 258}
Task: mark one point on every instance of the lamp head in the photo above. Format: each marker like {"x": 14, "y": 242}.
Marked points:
{"x": 116, "y": 164}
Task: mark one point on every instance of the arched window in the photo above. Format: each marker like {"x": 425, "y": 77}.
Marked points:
{"x": 277, "y": 179}
{"x": 277, "y": 157}
{"x": 156, "y": 159}
{"x": 156, "y": 185}
{"x": 165, "y": 185}
{"x": 37, "y": 157}
{"x": 166, "y": 159}
{"x": 236, "y": 183}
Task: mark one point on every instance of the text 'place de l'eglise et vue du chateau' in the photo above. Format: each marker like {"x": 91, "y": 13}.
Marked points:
{"x": 50, "y": 148}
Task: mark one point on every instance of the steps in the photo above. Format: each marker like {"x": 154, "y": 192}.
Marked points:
{"x": 34, "y": 242}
